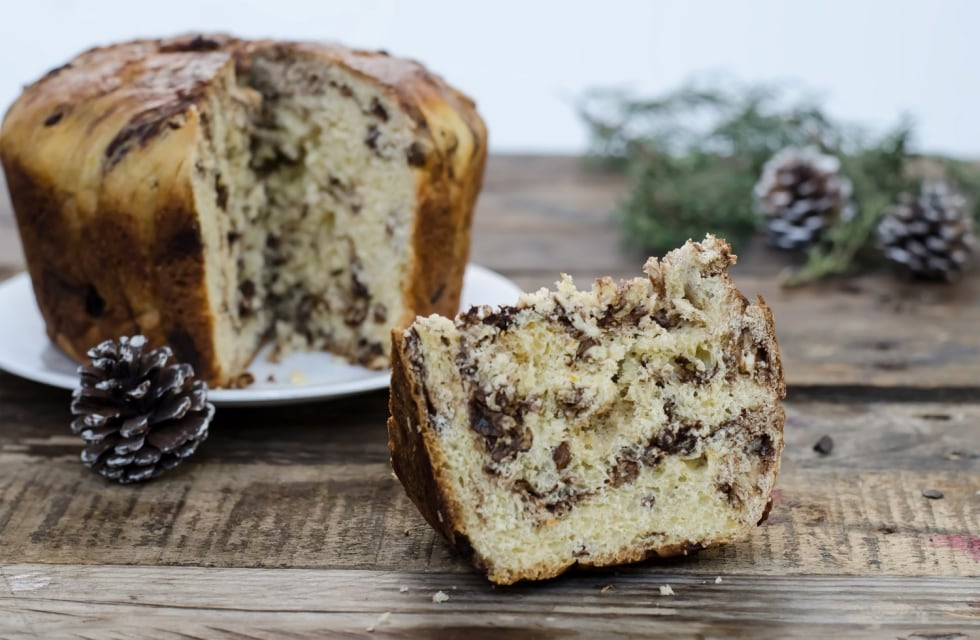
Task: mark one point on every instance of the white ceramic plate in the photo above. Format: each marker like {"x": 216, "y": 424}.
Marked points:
{"x": 26, "y": 351}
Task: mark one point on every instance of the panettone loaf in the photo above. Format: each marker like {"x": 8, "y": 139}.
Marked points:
{"x": 208, "y": 192}
{"x": 593, "y": 427}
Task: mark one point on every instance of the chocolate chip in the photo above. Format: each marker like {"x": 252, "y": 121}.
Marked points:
{"x": 371, "y": 137}
{"x": 53, "y": 72}
{"x": 728, "y": 489}
{"x": 583, "y": 346}
{"x": 933, "y": 494}
{"x": 623, "y": 472}
{"x": 94, "y": 304}
{"x": 53, "y": 119}
{"x": 676, "y": 439}
{"x": 221, "y": 193}
{"x": 502, "y": 319}
{"x": 368, "y": 351}
{"x": 415, "y": 155}
{"x": 247, "y": 288}
{"x": 688, "y": 372}
{"x": 233, "y": 237}
{"x": 572, "y": 400}
{"x": 512, "y": 444}
{"x": 824, "y": 446}
{"x": 380, "y": 314}
{"x": 483, "y": 420}
{"x": 358, "y": 288}
{"x": 356, "y": 312}
{"x": 562, "y": 455}
{"x": 198, "y": 43}
{"x": 762, "y": 446}
{"x": 342, "y": 88}
{"x": 377, "y": 109}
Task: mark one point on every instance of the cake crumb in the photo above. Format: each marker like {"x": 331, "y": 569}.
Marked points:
{"x": 608, "y": 587}
{"x": 407, "y": 531}
{"x": 243, "y": 380}
{"x": 439, "y": 597}
{"x": 270, "y": 378}
{"x": 297, "y": 377}
{"x": 383, "y": 618}
{"x": 403, "y": 589}
{"x": 665, "y": 590}
{"x": 718, "y": 580}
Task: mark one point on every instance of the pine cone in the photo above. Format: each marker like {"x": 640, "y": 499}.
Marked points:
{"x": 801, "y": 193}
{"x": 931, "y": 235}
{"x": 139, "y": 414}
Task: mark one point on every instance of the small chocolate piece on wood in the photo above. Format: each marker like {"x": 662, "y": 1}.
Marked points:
{"x": 824, "y": 446}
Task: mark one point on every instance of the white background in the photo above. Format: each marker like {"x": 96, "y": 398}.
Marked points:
{"x": 526, "y": 62}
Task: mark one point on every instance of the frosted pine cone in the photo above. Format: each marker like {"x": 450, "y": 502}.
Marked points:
{"x": 931, "y": 235}
{"x": 801, "y": 193}
{"x": 139, "y": 415}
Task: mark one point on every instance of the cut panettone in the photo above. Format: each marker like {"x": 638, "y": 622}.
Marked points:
{"x": 208, "y": 192}
{"x": 593, "y": 427}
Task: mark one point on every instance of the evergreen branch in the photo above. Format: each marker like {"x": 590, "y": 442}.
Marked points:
{"x": 693, "y": 157}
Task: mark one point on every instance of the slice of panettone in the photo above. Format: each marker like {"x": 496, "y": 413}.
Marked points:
{"x": 593, "y": 427}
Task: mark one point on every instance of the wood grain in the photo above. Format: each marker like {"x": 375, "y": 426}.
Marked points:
{"x": 73, "y": 601}
{"x": 320, "y": 493}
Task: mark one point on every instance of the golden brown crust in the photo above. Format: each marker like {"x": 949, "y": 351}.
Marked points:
{"x": 99, "y": 157}
{"x": 415, "y": 456}
{"x": 107, "y": 219}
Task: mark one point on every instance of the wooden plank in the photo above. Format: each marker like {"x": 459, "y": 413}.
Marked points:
{"x": 310, "y": 486}
{"x": 122, "y": 602}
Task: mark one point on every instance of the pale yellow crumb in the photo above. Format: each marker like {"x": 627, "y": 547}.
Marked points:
{"x": 665, "y": 590}
{"x": 718, "y": 580}
{"x": 297, "y": 377}
{"x": 439, "y": 597}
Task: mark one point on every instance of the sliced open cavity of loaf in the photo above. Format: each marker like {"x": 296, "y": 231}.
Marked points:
{"x": 593, "y": 427}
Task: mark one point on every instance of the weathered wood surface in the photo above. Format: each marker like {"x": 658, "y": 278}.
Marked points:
{"x": 310, "y": 486}
{"x": 289, "y": 523}
{"x": 135, "y": 602}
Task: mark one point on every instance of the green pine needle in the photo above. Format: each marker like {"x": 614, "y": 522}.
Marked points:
{"x": 694, "y": 156}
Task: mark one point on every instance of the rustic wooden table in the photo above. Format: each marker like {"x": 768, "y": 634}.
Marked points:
{"x": 289, "y": 522}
